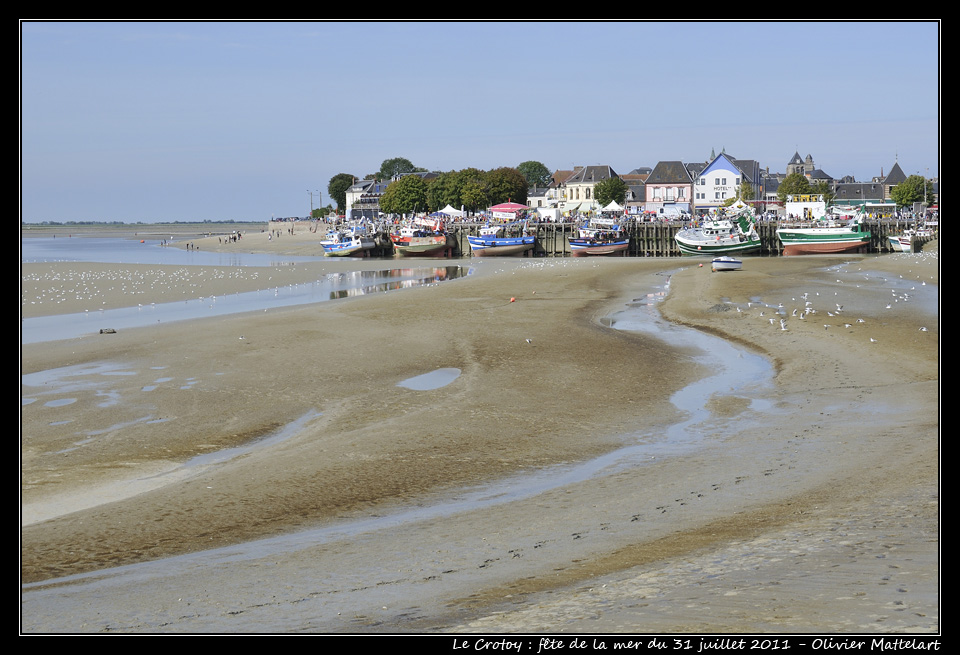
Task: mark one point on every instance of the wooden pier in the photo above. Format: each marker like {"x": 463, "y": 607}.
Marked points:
{"x": 656, "y": 239}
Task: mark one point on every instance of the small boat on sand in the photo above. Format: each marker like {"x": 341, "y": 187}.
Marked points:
{"x": 726, "y": 263}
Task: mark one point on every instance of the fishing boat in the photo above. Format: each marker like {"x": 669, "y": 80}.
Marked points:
{"x": 422, "y": 238}
{"x": 721, "y": 236}
{"x": 825, "y": 236}
{"x": 902, "y": 242}
{"x": 493, "y": 242}
{"x": 350, "y": 242}
{"x": 601, "y": 236}
{"x": 726, "y": 263}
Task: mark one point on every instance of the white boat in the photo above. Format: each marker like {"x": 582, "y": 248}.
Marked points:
{"x": 721, "y": 236}
{"x": 726, "y": 263}
{"x": 902, "y": 242}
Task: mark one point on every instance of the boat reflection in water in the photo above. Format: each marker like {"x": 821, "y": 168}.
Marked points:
{"x": 359, "y": 283}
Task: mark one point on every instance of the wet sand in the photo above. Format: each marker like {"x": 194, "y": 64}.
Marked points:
{"x": 817, "y": 514}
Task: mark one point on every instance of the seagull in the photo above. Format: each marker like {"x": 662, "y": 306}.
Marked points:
{"x": 923, "y": 329}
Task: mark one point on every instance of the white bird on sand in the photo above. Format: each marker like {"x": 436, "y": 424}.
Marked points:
{"x": 923, "y": 329}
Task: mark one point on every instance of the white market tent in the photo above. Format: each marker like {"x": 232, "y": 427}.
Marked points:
{"x": 450, "y": 211}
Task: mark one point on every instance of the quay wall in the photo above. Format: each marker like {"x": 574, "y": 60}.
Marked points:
{"x": 656, "y": 239}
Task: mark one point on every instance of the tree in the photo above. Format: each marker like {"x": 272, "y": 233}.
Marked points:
{"x": 612, "y": 189}
{"x": 536, "y": 174}
{"x": 442, "y": 191}
{"x": 337, "y": 189}
{"x": 396, "y": 166}
{"x": 793, "y": 184}
{"x": 505, "y": 184}
{"x": 404, "y": 196}
{"x": 911, "y": 190}
{"x": 470, "y": 189}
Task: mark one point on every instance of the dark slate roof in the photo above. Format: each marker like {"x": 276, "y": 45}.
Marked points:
{"x": 895, "y": 176}
{"x": 591, "y": 174}
{"x": 859, "y": 191}
{"x": 669, "y": 172}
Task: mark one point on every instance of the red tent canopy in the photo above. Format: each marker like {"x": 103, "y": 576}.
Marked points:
{"x": 508, "y": 207}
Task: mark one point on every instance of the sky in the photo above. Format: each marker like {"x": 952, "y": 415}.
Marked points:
{"x": 245, "y": 121}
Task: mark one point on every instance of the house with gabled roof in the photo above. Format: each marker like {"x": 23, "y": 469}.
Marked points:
{"x": 577, "y": 190}
{"x": 720, "y": 180}
{"x": 669, "y": 189}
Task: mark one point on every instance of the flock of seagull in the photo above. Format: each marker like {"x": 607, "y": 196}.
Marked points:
{"x": 91, "y": 287}
{"x": 807, "y": 312}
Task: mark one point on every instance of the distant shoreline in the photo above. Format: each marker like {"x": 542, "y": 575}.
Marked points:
{"x": 138, "y": 230}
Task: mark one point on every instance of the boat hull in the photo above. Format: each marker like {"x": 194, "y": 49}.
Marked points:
{"x": 712, "y": 249}
{"x": 726, "y": 264}
{"x": 354, "y": 248}
{"x": 583, "y": 248}
{"x": 824, "y": 242}
{"x": 901, "y": 244}
{"x": 421, "y": 246}
{"x": 500, "y": 247}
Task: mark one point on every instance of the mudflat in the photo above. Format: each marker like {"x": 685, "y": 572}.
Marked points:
{"x": 810, "y": 505}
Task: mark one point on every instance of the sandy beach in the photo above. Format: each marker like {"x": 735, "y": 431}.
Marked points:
{"x": 344, "y": 503}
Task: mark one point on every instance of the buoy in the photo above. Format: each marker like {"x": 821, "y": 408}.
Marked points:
{"x": 513, "y": 300}
{"x": 701, "y": 266}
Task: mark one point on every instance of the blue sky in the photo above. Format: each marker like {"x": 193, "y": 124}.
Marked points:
{"x": 151, "y": 121}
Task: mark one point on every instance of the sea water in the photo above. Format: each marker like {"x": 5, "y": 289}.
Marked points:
{"x": 124, "y": 251}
